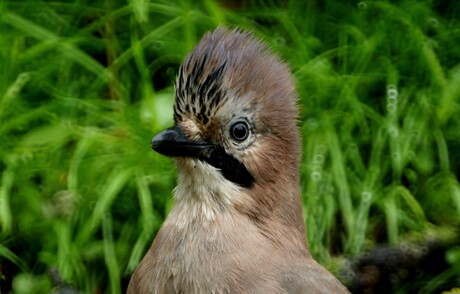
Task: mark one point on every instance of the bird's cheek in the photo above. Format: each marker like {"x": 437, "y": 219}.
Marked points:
{"x": 264, "y": 163}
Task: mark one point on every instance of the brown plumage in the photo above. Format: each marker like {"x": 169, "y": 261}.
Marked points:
{"x": 237, "y": 224}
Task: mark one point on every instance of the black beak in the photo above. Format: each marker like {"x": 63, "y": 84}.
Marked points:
{"x": 174, "y": 143}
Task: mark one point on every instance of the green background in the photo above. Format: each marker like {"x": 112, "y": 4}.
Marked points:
{"x": 84, "y": 86}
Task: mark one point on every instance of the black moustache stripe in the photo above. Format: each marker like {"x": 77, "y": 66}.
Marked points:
{"x": 229, "y": 166}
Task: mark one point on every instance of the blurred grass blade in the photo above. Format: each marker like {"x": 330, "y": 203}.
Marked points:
{"x": 67, "y": 259}
{"x": 110, "y": 254}
{"x": 9, "y": 255}
{"x": 27, "y": 26}
{"x": 149, "y": 221}
{"x": 392, "y": 219}
{"x": 340, "y": 177}
{"x": 411, "y": 202}
{"x": 216, "y": 12}
{"x": 81, "y": 150}
{"x": 6, "y": 218}
{"x": 67, "y": 48}
{"x": 148, "y": 40}
{"x": 114, "y": 183}
{"x": 12, "y": 92}
{"x": 140, "y": 10}
{"x": 48, "y": 134}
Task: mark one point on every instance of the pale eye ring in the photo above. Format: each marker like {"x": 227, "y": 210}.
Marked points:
{"x": 239, "y": 131}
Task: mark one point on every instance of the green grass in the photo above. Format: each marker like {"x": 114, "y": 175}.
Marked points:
{"x": 85, "y": 85}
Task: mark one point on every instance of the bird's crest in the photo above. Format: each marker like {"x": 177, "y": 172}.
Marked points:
{"x": 198, "y": 90}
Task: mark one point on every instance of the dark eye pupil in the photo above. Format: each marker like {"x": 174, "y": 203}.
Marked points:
{"x": 240, "y": 131}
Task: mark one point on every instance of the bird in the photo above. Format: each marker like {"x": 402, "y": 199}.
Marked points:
{"x": 236, "y": 225}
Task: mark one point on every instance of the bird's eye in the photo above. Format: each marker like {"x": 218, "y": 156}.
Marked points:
{"x": 239, "y": 131}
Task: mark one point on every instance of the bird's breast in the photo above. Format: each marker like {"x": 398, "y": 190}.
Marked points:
{"x": 221, "y": 256}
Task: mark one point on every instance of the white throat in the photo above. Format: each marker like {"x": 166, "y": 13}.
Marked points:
{"x": 203, "y": 194}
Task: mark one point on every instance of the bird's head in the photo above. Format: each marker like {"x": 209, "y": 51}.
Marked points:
{"x": 235, "y": 119}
